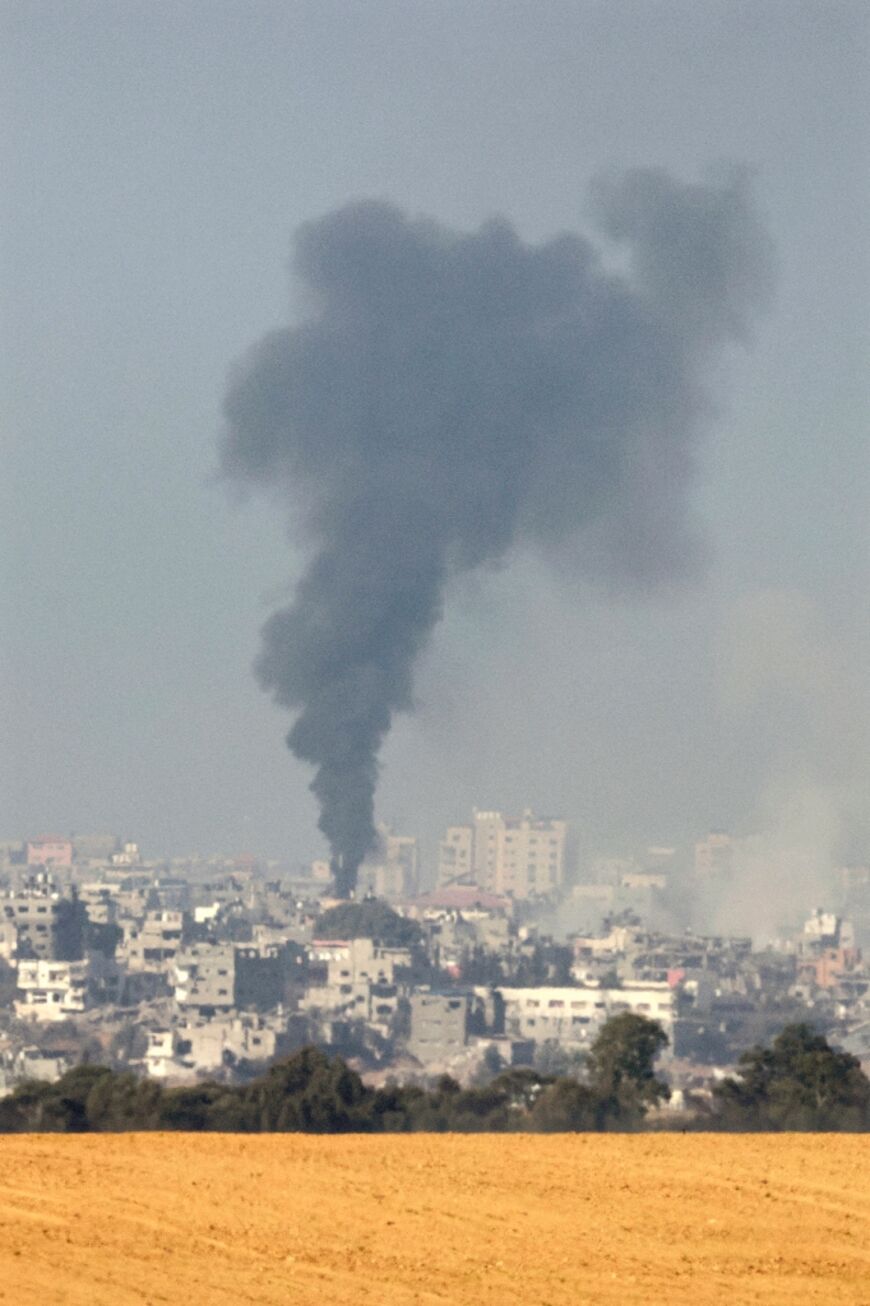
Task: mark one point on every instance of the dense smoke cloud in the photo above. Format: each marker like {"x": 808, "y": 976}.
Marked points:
{"x": 453, "y": 393}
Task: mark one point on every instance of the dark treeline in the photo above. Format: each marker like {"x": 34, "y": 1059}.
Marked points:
{"x": 800, "y": 1083}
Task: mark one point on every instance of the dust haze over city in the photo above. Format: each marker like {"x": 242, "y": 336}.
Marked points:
{"x": 620, "y": 251}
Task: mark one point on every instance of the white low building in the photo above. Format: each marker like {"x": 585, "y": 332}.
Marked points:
{"x": 34, "y": 1063}
{"x": 160, "y": 1055}
{"x": 573, "y": 1016}
{"x": 186, "y": 1052}
{"x": 210, "y": 1044}
{"x": 51, "y": 990}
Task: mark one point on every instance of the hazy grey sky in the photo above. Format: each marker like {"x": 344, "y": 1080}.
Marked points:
{"x": 158, "y": 158}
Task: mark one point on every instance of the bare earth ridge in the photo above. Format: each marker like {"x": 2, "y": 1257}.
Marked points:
{"x": 200, "y": 1219}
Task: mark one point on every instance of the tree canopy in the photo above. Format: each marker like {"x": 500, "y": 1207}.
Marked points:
{"x": 312, "y": 1092}
{"x": 621, "y": 1066}
{"x": 799, "y": 1083}
{"x": 371, "y": 918}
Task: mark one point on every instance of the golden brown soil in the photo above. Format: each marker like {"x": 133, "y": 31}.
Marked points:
{"x": 199, "y": 1219}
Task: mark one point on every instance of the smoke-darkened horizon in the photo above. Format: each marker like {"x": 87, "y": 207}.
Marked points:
{"x": 453, "y": 394}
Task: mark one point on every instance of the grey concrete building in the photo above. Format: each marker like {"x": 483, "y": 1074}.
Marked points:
{"x": 439, "y": 1025}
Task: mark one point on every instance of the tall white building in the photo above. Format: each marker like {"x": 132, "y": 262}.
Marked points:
{"x": 520, "y": 856}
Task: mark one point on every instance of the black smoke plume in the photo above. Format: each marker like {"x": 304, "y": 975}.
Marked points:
{"x": 453, "y": 393}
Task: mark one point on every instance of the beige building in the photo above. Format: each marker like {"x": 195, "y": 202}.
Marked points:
{"x": 34, "y": 913}
{"x": 51, "y": 990}
{"x": 439, "y": 1025}
{"x": 456, "y": 856}
{"x": 521, "y": 857}
{"x": 354, "y": 978}
{"x": 573, "y": 1016}
{"x": 151, "y": 945}
{"x": 714, "y": 855}
{"x": 393, "y": 871}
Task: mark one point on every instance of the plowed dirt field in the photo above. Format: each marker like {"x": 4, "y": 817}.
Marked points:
{"x": 201, "y": 1219}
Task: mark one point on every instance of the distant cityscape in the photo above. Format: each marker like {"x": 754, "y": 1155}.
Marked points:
{"x": 505, "y": 955}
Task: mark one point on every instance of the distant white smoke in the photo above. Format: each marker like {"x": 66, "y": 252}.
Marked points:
{"x": 784, "y": 675}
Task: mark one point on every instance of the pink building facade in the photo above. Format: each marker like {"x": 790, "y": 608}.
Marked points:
{"x": 49, "y": 850}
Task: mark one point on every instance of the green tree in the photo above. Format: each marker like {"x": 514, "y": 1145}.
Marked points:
{"x": 309, "y": 1093}
{"x": 799, "y": 1083}
{"x": 490, "y": 1066}
{"x": 116, "y": 1103}
{"x": 621, "y": 1067}
{"x": 22, "y": 1110}
{"x": 522, "y": 1087}
{"x": 478, "y": 965}
{"x": 369, "y": 919}
{"x": 188, "y": 1109}
{"x": 477, "y": 1110}
{"x": 65, "y": 1106}
{"x": 555, "y": 1060}
{"x": 566, "y": 1107}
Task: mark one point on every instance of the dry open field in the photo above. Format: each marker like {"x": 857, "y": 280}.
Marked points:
{"x": 199, "y": 1219}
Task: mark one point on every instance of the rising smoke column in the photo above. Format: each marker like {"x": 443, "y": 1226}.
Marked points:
{"x": 454, "y": 393}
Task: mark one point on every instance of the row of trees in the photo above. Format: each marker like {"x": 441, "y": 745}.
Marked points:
{"x": 799, "y": 1083}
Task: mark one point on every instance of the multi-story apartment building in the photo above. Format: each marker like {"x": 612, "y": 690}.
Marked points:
{"x": 151, "y": 945}
{"x": 522, "y": 857}
{"x": 185, "y": 1053}
{"x": 51, "y": 990}
{"x": 393, "y": 872}
{"x": 204, "y": 977}
{"x": 456, "y": 856}
{"x": 573, "y": 1016}
{"x": 532, "y": 861}
{"x": 354, "y": 978}
{"x": 35, "y": 914}
{"x": 439, "y": 1025}
{"x": 209, "y": 977}
{"x": 100, "y": 902}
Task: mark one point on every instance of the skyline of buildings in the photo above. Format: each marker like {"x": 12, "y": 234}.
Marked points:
{"x": 519, "y": 856}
